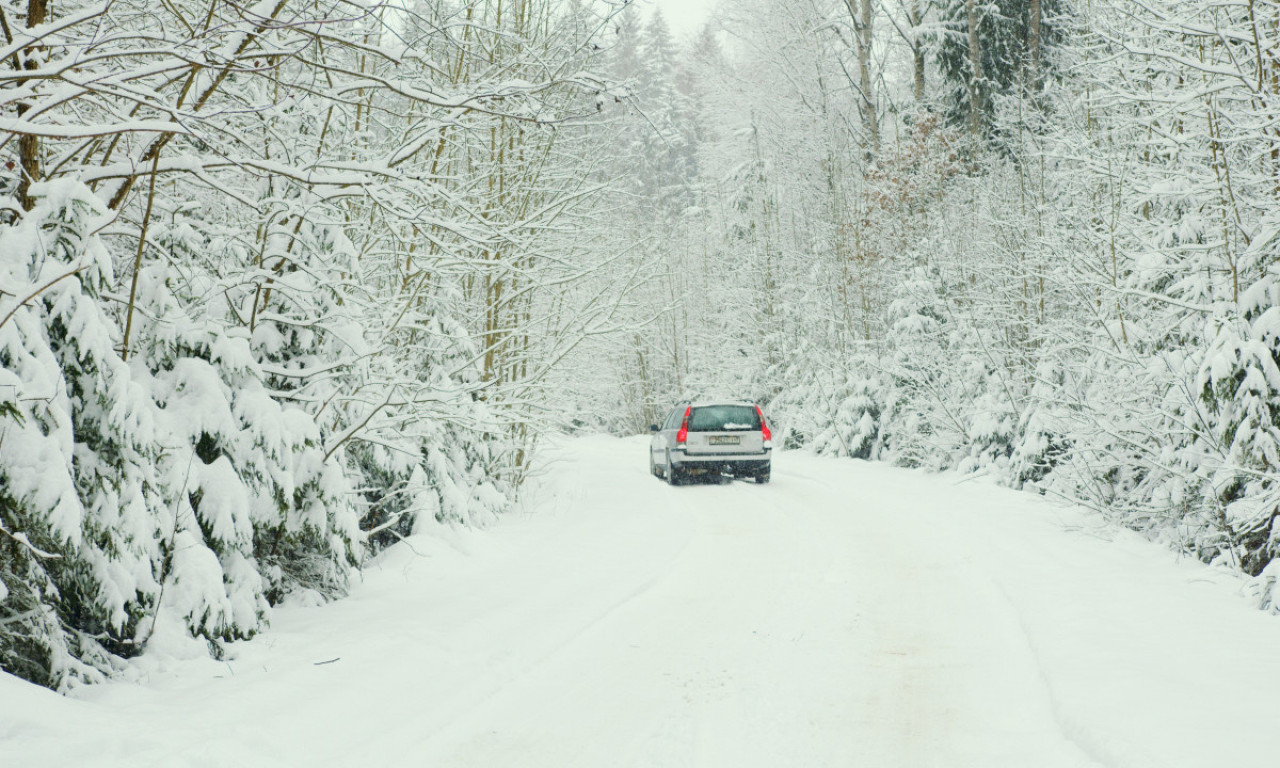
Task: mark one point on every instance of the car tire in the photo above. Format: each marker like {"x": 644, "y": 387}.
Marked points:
{"x": 674, "y": 476}
{"x": 653, "y": 466}
{"x": 762, "y": 478}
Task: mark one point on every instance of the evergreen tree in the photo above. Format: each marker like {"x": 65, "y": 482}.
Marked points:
{"x": 80, "y": 544}
{"x": 988, "y": 52}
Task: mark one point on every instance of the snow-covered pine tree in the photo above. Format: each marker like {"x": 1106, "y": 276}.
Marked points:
{"x": 81, "y": 542}
{"x": 987, "y": 52}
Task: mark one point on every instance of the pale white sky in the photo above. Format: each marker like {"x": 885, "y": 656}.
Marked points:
{"x": 685, "y": 17}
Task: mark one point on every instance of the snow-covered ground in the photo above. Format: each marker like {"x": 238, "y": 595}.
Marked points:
{"x": 848, "y": 614}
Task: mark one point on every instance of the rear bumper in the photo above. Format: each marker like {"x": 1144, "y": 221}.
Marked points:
{"x": 732, "y": 463}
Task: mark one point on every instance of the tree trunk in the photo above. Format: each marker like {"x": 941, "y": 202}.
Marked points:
{"x": 915, "y": 17}
{"x": 862, "y": 41}
{"x": 1033, "y": 47}
{"x": 28, "y": 145}
{"x": 976, "y": 106}
{"x": 917, "y": 61}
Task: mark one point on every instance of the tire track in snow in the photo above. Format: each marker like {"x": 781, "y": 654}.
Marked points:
{"x": 941, "y": 644}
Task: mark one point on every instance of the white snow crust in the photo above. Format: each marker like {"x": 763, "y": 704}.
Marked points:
{"x": 848, "y": 614}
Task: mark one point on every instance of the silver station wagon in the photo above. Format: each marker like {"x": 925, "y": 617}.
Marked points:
{"x": 711, "y": 439}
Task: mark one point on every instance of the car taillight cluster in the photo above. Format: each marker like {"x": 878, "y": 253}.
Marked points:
{"x": 682, "y": 436}
{"x": 764, "y": 429}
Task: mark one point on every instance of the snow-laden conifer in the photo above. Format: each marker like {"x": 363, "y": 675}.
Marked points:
{"x": 79, "y": 445}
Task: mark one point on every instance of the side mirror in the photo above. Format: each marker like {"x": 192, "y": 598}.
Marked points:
{"x": 653, "y": 428}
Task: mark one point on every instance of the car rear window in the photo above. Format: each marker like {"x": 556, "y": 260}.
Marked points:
{"x": 723, "y": 418}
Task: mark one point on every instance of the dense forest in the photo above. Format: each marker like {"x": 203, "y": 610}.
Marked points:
{"x": 284, "y": 281}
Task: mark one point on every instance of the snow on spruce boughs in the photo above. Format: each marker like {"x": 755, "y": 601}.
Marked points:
{"x": 221, "y": 433}
{"x": 1239, "y": 386}
{"x": 248, "y": 470}
{"x": 78, "y": 447}
{"x": 171, "y": 483}
{"x": 210, "y": 475}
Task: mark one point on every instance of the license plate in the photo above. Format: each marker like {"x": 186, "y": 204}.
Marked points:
{"x": 724, "y": 440}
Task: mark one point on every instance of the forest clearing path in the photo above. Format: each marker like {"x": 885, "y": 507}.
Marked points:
{"x": 847, "y": 614}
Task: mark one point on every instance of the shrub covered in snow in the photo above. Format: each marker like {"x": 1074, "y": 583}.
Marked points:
{"x": 191, "y": 481}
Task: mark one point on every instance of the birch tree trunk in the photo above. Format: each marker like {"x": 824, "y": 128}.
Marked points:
{"x": 862, "y": 17}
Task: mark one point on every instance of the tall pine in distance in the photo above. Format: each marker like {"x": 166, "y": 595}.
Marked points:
{"x": 989, "y": 53}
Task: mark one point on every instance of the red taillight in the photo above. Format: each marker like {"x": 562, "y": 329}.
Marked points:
{"x": 764, "y": 428}
{"x": 683, "y": 435}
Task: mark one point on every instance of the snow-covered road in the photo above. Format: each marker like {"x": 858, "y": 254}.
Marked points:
{"x": 847, "y": 614}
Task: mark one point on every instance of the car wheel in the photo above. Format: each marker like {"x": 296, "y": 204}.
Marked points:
{"x": 674, "y": 476}
{"x": 653, "y": 466}
{"x": 762, "y": 478}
